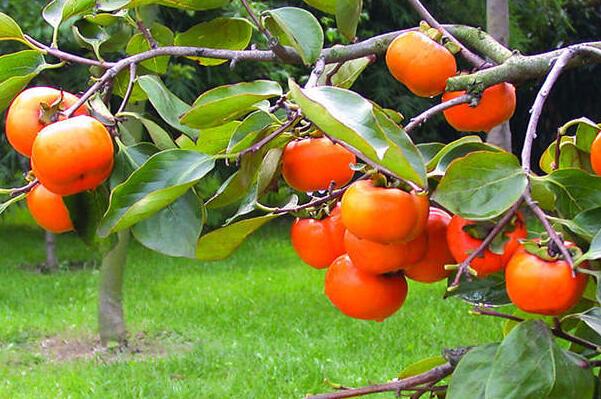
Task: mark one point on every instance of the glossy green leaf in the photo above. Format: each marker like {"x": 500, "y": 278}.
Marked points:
{"x": 327, "y": 6}
{"x": 351, "y": 119}
{"x": 138, "y": 44}
{"x": 570, "y": 156}
{"x": 225, "y": 103}
{"x": 591, "y": 318}
{"x": 489, "y": 291}
{"x": 16, "y": 71}
{"x": 6, "y": 204}
{"x": 214, "y": 140}
{"x": 429, "y": 150}
{"x": 58, "y": 11}
{"x": 167, "y": 104}
{"x": 346, "y": 74}
{"x": 105, "y": 18}
{"x": 586, "y": 133}
{"x": 111, "y": 5}
{"x": 192, "y": 5}
{"x": 575, "y": 191}
{"x": 542, "y": 194}
{"x": 347, "y": 17}
{"x": 174, "y": 230}
{"x": 594, "y": 251}
{"x": 122, "y": 81}
{"x": 249, "y": 130}
{"x": 94, "y": 40}
{"x": 422, "y": 366}
{"x": 455, "y": 152}
{"x": 128, "y": 159}
{"x": 481, "y": 185}
{"x": 220, "y": 33}
{"x": 9, "y": 29}
{"x": 431, "y": 165}
{"x": 159, "y": 182}
{"x": 588, "y": 222}
{"x": 470, "y": 377}
{"x": 86, "y": 210}
{"x": 297, "y": 28}
{"x": 157, "y": 134}
{"x": 221, "y": 243}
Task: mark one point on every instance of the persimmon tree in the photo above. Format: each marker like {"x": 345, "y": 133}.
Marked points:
{"x": 153, "y": 194}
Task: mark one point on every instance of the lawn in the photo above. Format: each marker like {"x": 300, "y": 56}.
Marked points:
{"x": 256, "y": 325}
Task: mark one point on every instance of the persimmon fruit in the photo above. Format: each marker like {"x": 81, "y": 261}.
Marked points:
{"x": 596, "y": 155}
{"x": 318, "y": 242}
{"x": 383, "y": 214}
{"x": 48, "y": 210}
{"x": 541, "y": 286}
{"x": 363, "y": 295}
{"x": 420, "y": 63}
{"x": 496, "y": 106}
{"x": 430, "y": 268}
{"x": 462, "y": 244}
{"x": 73, "y": 155}
{"x": 23, "y": 118}
{"x": 312, "y": 164}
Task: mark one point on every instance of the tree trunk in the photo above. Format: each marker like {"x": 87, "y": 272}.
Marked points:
{"x": 51, "y": 264}
{"x": 111, "y": 324}
{"x": 497, "y": 25}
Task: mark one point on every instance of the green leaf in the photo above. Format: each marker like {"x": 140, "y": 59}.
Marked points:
{"x": 470, "y": 377}
{"x": 16, "y": 71}
{"x": 589, "y": 222}
{"x": 111, "y": 5}
{"x": 58, "y": 11}
{"x": 162, "y": 179}
{"x": 86, "y": 210}
{"x": 122, "y": 81}
{"x": 221, "y": 243}
{"x": 129, "y": 159}
{"x": 591, "y": 317}
{"x": 192, "y": 5}
{"x": 422, "y": 366}
{"x": 297, "y": 28}
{"x": 575, "y": 191}
{"x": 481, "y": 185}
{"x": 4, "y": 205}
{"x": 157, "y": 134}
{"x": 542, "y": 194}
{"x": 220, "y": 33}
{"x": 347, "y": 17}
{"x": 594, "y": 251}
{"x": 351, "y": 119}
{"x": 138, "y": 44}
{"x": 459, "y": 151}
{"x": 249, "y": 130}
{"x": 167, "y": 104}
{"x": 10, "y": 30}
{"x": 569, "y": 157}
{"x": 105, "y": 19}
{"x": 431, "y": 165}
{"x": 214, "y": 140}
{"x": 93, "y": 40}
{"x": 346, "y": 75}
{"x": 572, "y": 380}
{"x": 429, "y": 150}
{"x": 489, "y": 291}
{"x": 225, "y": 103}
{"x": 586, "y": 133}
{"x": 327, "y": 6}
{"x": 174, "y": 230}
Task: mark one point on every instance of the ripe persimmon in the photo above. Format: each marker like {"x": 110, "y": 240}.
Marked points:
{"x": 462, "y": 244}
{"x": 25, "y": 115}
{"x": 363, "y": 295}
{"x": 318, "y": 242}
{"x": 541, "y": 286}
{"x": 496, "y": 106}
{"x": 420, "y": 63}
{"x": 378, "y": 258}
{"x": 48, "y": 210}
{"x": 383, "y": 214}
{"x": 73, "y": 155}
{"x": 311, "y": 164}
{"x": 430, "y": 268}
{"x": 596, "y": 155}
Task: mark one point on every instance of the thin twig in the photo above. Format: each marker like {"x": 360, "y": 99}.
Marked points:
{"x": 316, "y": 73}
{"x": 434, "y": 375}
{"x": 313, "y": 203}
{"x": 147, "y": 34}
{"x": 424, "y": 116}
{"x": 130, "y": 87}
{"x": 62, "y": 55}
{"x": 258, "y": 145}
{"x": 463, "y": 267}
{"x": 13, "y": 192}
{"x": 471, "y": 57}
{"x": 272, "y": 41}
{"x": 540, "y": 214}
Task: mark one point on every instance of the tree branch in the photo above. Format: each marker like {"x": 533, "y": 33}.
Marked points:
{"x": 130, "y": 87}
{"x": 434, "y": 375}
{"x": 13, "y": 192}
{"x": 472, "y": 58}
{"x": 146, "y": 33}
{"x": 61, "y": 55}
{"x": 481, "y": 42}
{"x": 424, "y": 116}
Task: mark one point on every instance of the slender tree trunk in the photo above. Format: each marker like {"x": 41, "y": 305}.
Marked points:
{"x": 51, "y": 264}
{"x": 497, "y": 25}
{"x": 111, "y": 324}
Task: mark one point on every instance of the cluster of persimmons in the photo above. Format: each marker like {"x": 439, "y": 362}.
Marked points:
{"x": 383, "y": 232}
{"x": 68, "y": 156}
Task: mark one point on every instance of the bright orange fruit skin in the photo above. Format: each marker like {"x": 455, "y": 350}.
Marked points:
{"x": 543, "y": 287}
{"x": 73, "y": 155}
{"x": 379, "y": 258}
{"x": 420, "y": 63}
{"x": 312, "y": 164}
{"x": 363, "y": 295}
{"x": 48, "y": 210}
{"x": 318, "y": 242}
{"x": 430, "y": 268}
{"x": 22, "y": 118}
{"x": 596, "y": 155}
{"x": 462, "y": 245}
{"x": 496, "y": 106}
{"x": 383, "y": 214}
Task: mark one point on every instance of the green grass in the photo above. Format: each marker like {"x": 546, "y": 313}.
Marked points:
{"x": 256, "y": 325}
